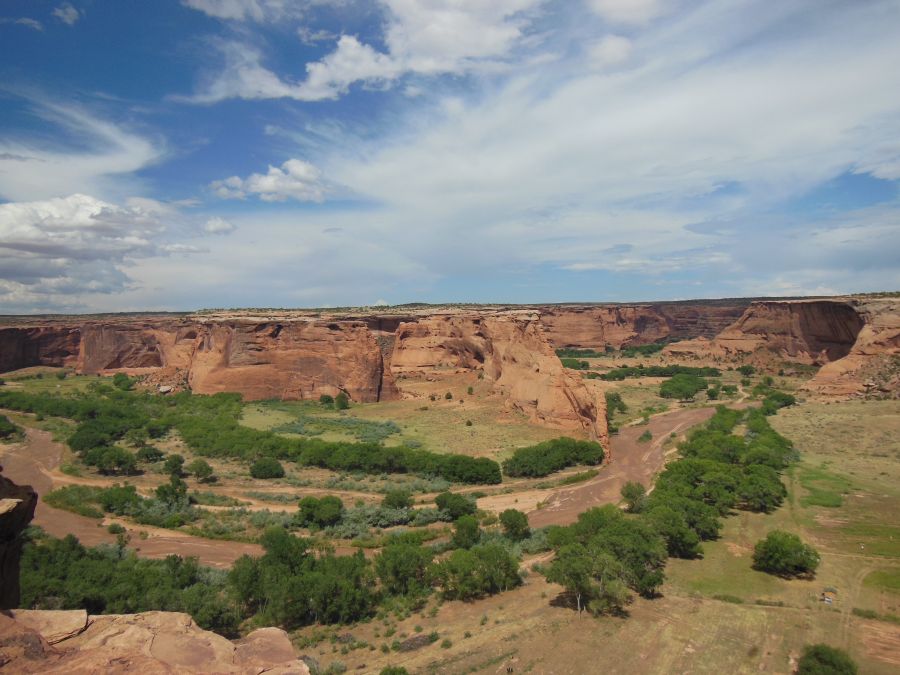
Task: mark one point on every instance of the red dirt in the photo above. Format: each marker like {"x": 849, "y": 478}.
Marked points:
{"x": 630, "y": 461}
{"x": 29, "y": 463}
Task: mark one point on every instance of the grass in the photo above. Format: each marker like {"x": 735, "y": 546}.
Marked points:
{"x": 888, "y": 579}
{"x": 823, "y": 487}
{"x": 75, "y": 498}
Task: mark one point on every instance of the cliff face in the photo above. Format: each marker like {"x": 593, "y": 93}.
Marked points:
{"x": 872, "y": 366}
{"x": 514, "y": 355}
{"x": 291, "y": 360}
{"x": 38, "y": 346}
{"x": 593, "y": 326}
{"x": 806, "y": 331}
{"x": 36, "y": 641}
{"x": 17, "y": 504}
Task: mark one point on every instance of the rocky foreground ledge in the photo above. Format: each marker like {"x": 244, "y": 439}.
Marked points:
{"x": 47, "y": 641}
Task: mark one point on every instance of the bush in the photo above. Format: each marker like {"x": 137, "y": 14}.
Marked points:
{"x": 397, "y": 499}
{"x": 174, "y": 465}
{"x": 635, "y": 496}
{"x": 746, "y": 370}
{"x": 115, "y": 528}
{"x": 822, "y": 659}
{"x": 645, "y": 437}
{"x": 326, "y": 400}
{"x": 200, "y": 469}
{"x": 266, "y": 468}
{"x": 7, "y": 428}
{"x": 122, "y": 381}
{"x": 482, "y": 570}
{"x": 784, "y": 554}
{"x": 341, "y": 401}
{"x": 545, "y": 458}
{"x": 515, "y": 524}
{"x": 322, "y": 512}
{"x": 149, "y": 454}
{"x": 448, "y": 396}
{"x": 682, "y": 387}
{"x": 466, "y": 532}
{"x": 455, "y": 505}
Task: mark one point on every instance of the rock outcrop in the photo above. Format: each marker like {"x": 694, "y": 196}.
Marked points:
{"x": 21, "y": 347}
{"x": 149, "y": 643}
{"x": 513, "y": 353}
{"x": 812, "y": 332}
{"x": 595, "y": 326}
{"x": 17, "y": 504}
{"x": 872, "y": 367}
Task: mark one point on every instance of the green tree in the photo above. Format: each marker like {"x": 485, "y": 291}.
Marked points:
{"x": 326, "y": 400}
{"x": 746, "y": 370}
{"x": 266, "y": 467}
{"x": 403, "y": 568}
{"x": 821, "y": 659}
{"x": 341, "y": 401}
{"x": 122, "y": 381}
{"x": 515, "y": 524}
{"x": 593, "y": 576}
{"x": 174, "y": 464}
{"x": 466, "y": 532}
{"x": 149, "y": 454}
{"x": 683, "y": 387}
{"x": 397, "y": 499}
{"x": 200, "y": 469}
{"x": 681, "y": 540}
{"x": 784, "y": 554}
{"x": 635, "y": 496}
{"x": 454, "y": 505}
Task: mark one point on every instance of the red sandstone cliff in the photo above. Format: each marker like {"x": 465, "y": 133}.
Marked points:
{"x": 872, "y": 367}
{"x": 513, "y": 353}
{"x": 805, "y": 331}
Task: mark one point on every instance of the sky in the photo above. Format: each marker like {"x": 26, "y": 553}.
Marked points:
{"x": 166, "y": 155}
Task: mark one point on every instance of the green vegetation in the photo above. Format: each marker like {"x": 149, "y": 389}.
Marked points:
{"x": 823, "y": 659}
{"x": 201, "y": 470}
{"x": 63, "y": 574}
{"x": 619, "y": 374}
{"x": 515, "y": 524}
{"x": 455, "y": 505}
{"x": 266, "y": 468}
{"x": 550, "y": 456}
{"x": 823, "y": 488}
{"x": 397, "y": 499}
{"x": 635, "y": 496}
{"x": 467, "y": 574}
{"x": 208, "y": 425}
{"x": 8, "y": 430}
{"x": 683, "y": 387}
{"x": 785, "y": 555}
{"x": 575, "y": 364}
{"x": 322, "y": 512}
{"x": 642, "y": 350}
{"x": 645, "y": 437}
{"x": 366, "y": 431}
{"x": 569, "y": 353}
{"x": 466, "y": 532}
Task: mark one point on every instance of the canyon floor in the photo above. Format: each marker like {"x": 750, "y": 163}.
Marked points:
{"x": 715, "y": 614}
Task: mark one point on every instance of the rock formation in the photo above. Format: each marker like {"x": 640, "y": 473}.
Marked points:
{"x": 17, "y": 504}
{"x": 812, "y": 332}
{"x": 872, "y": 367}
{"x": 149, "y": 643}
{"x": 510, "y": 348}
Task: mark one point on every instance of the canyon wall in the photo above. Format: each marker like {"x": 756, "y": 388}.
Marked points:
{"x": 812, "y": 332}
{"x": 513, "y": 353}
{"x": 595, "y": 326}
{"x": 872, "y": 367}
{"x": 17, "y": 504}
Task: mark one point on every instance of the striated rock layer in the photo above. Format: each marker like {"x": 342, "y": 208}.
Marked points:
{"x": 813, "y": 332}
{"x": 150, "y": 643}
{"x": 872, "y": 367}
{"x": 512, "y": 351}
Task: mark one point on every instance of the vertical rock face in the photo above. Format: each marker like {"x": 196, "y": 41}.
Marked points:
{"x": 17, "y": 504}
{"x": 290, "y": 360}
{"x": 594, "y": 326}
{"x": 38, "y": 346}
{"x": 872, "y": 366}
{"x": 514, "y": 354}
{"x": 806, "y": 331}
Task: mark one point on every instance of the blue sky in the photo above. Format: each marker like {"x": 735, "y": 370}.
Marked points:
{"x": 279, "y": 153}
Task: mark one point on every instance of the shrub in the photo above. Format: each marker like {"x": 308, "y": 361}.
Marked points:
{"x": 545, "y": 458}
{"x": 466, "y": 532}
{"x": 149, "y": 454}
{"x": 341, "y": 401}
{"x": 201, "y": 470}
{"x": 266, "y": 468}
{"x": 645, "y": 437}
{"x": 122, "y": 381}
{"x": 470, "y": 391}
{"x": 682, "y": 387}
{"x": 515, "y": 524}
{"x": 323, "y": 512}
{"x": 746, "y": 370}
{"x": 397, "y": 499}
{"x": 635, "y": 496}
{"x": 455, "y": 505}
{"x": 784, "y": 554}
{"x": 115, "y": 528}
{"x": 174, "y": 464}
{"x": 821, "y": 659}
{"x": 448, "y": 396}
{"x": 7, "y": 428}
{"x": 326, "y": 400}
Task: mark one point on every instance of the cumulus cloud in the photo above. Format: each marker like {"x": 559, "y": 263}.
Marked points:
{"x": 52, "y": 250}
{"x": 67, "y": 14}
{"x": 295, "y": 179}
{"x": 438, "y": 37}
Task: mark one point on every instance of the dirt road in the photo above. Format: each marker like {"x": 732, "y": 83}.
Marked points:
{"x": 32, "y": 463}
{"x": 631, "y": 461}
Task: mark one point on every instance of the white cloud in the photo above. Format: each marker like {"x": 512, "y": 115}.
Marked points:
{"x": 23, "y": 21}
{"x": 295, "y": 179}
{"x": 630, "y": 11}
{"x": 67, "y": 14}
{"x": 57, "y": 250}
{"x": 441, "y": 36}
{"x": 610, "y": 50}
{"x": 101, "y": 162}
{"x": 218, "y": 225}
{"x": 241, "y": 10}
